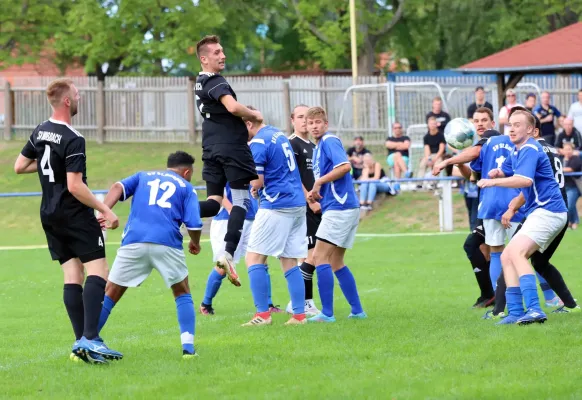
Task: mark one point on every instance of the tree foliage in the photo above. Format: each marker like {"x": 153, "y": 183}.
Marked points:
{"x": 158, "y": 37}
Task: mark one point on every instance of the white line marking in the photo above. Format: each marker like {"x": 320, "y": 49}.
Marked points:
{"x": 361, "y": 235}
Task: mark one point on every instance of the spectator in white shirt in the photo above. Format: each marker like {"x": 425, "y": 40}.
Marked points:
{"x": 575, "y": 112}
{"x": 504, "y": 112}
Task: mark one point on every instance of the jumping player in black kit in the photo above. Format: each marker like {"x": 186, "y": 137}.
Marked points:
{"x": 303, "y": 150}
{"x": 57, "y": 152}
{"x": 540, "y": 261}
{"x": 225, "y": 153}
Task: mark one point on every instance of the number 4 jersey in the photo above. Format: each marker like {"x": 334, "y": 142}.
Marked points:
{"x": 58, "y": 149}
{"x": 162, "y": 201}
{"x": 275, "y": 160}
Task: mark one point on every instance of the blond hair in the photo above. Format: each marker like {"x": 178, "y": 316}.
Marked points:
{"x": 316, "y": 112}
{"x": 529, "y": 118}
{"x": 58, "y": 89}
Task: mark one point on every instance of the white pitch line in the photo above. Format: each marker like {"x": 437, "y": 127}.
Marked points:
{"x": 362, "y": 235}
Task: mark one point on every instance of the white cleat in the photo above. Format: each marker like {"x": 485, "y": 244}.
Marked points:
{"x": 310, "y": 309}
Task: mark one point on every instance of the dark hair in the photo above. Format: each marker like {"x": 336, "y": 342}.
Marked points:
{"x": 530, "y": 95}
{"x": 517, "y": 108}
{"x": 180, "y": 159}
{"x": 201, "y": 45}
{"x": 245, "y": 119}
{"x": 538, "y": 124}
{"x": 484, "y": 110}
{"x": 479, "y": 88}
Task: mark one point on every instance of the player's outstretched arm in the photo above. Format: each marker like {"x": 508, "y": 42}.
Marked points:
{"x": 24, "y": 165}
{"x": 238, "y": 109}
{"x": 81, "y": 192}
{"x": 466, "y": 156}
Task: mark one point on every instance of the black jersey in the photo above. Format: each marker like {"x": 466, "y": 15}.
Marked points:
{"x": 58, "y": 149}
{"x": 218, "y": 125}
{"x": 303, "y": 150}
{"x": 556, "y": 164}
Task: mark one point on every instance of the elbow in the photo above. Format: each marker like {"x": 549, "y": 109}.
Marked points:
{"x": 346, "y": 168}
{"x": 526, "y": 182}
{"x": 232, "y": 108}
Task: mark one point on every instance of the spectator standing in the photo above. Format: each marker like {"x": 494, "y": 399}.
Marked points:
{"x": 504, "y": 112}
{"x": 530, "y": 102}
{"x": 442, "y": 118}
{"x": 572, "y": 163}
{"x": 434, "y": 147}
{"x": 575, "y": 112}
{"x": 356, "y": 156}
{"x": 547, "y": 115}
{"x": 479, "y": 102}
{"x": 569, "y": 135}
{"x": 398, "y": 146}
{"x": 372, "y": 171}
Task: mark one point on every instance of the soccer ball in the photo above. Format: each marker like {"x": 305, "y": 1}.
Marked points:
{"x": 459, "y": 133}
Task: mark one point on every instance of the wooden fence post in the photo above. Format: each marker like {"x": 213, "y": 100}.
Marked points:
{"x": 100, "y": 111}
{"x": 191, "y": 112}
{"x": 287, "y": 105}
{"x": 8, "y": 113}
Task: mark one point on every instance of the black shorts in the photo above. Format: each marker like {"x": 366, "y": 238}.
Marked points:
{"x": 479, "y": 229}
{"x": 228, "y": 163}
{"x": 313, "y": 221}
{"x": 81, "y": 239}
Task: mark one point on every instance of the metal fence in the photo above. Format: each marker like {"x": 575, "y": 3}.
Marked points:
{"x": 158, "y": 109}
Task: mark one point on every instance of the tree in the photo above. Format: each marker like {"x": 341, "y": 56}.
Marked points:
{"x": 324, "y": 27}
{"x": 26, "y": 26}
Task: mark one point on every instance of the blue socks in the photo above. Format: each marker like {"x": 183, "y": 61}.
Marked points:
{"x": 269, "y": 282}
{"x": 348, "y": 286}
{"x": 187, "y": 321}
{"x": 325, "y": 286}
{"x": 546, "y": 289}
{"x": 108, "y": 305}
{"x": 296, "y": 289}
{"x": 259, "y": 283}
{"x": 495, "y": 268}
{"x": 527, "y": 283}
{"x": 212, "y": 286}
{"x": 514, "y": 302}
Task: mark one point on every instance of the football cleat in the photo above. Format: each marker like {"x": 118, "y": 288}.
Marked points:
{"x": 489, "y": 315}
{"x": 258, "y": 321}
{"x": 567, "y": 310}
{"x": 188, "y": 356}
{"x": 321, "y": 317}
{"x": 361, "y": 315}
{"x": 226, "y": 263}
{"x": 274, "y": 309}
{"x": 509, "y": 320}
{"x": 206, "y": 309}
{"x": 555, "y": 302}
{"x": 484, "y": 302}
{"x": 532, "y": 316}
{"x": 98, "y": 347}
{"x": 295, "y": 321}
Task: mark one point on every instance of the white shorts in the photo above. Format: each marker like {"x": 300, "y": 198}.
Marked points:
{"x": 542, "y": 226}
{"x": 339, "y": 227}
{"x": 495, "y": 232}
{"x": 134, "y": 263}
{"x": 218, "y": 230}
{"x": 279, "y": 233}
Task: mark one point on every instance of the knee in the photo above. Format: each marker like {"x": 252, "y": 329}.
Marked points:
{"x": 181, "y": 288}
{"x": 470, "y": 245}
{"x": 507, "y": 257}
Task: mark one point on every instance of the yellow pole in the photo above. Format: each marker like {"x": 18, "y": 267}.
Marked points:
{"x": 354, "y": 48}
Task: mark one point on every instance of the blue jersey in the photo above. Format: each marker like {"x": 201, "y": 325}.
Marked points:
{"x": 162, "y": 201}
{"x": 275, "y": 160}
{"x": 532, "y": 163}
{"x": 339, "y": 194}
{"x": 223, "y": 213}
{"x": 493, "y": 201}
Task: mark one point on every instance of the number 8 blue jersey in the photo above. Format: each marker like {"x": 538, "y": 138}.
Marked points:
{"x": 162, "y": 201}
{"x": 275, "y": 160}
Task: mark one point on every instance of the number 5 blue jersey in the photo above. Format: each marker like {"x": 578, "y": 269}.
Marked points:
{"x": 493, "y": 201}
{"x": 162, "y": 201}
{"x": 275, "y": 160}
{"x": 532, "y": 163}
{"x": 339, "y": 194}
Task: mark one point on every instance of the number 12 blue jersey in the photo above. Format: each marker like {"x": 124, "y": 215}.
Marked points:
{"x": 275, "y": 160}
{"x": 162, "y": 201}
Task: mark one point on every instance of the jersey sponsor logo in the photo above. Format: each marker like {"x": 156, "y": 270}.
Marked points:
{"x": 49, "y": 137}
{"x": 502, "y": 146}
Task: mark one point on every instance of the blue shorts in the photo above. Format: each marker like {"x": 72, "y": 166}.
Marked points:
{"x": 390, "y": 160}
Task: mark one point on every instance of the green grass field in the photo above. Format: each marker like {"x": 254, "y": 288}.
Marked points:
{"x": 422, "y": 340}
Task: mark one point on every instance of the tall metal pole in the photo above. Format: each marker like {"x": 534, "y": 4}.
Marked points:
{"x": 354, "y": 49}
